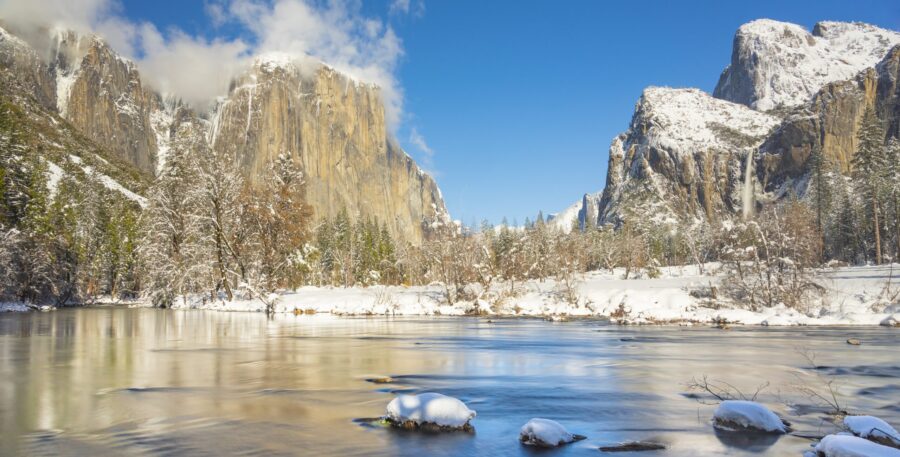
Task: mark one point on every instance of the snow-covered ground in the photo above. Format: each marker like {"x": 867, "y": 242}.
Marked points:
{"x": 854, "y": 297}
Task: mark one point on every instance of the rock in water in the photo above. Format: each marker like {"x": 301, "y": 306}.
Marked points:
{"x": 738, "y": 415}
{"x": 852, "y": 446}
{"x": 853, "y": 342}
{"x": 633, "y": 446}
{"x": 873, "y": 429}
{"x": 429, "y": 411}
{"x": 546, "y": 433}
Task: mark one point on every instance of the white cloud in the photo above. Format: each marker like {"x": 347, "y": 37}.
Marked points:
{"x": 417, "y": 140}
{"x": 400, "y": 6}
{"x": 198, "y": 69}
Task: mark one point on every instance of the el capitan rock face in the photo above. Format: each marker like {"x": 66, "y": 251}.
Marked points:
{"x": 335, "y": 128}
{"x": 332, "y": 125}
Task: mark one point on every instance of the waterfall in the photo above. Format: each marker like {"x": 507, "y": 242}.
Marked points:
{"x": 747, "y": 191}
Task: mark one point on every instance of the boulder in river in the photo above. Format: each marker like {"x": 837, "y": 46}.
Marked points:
{"x": 429, "y": 412}
{"x": 740, "y": 415}
{"x": 546, "y": 433}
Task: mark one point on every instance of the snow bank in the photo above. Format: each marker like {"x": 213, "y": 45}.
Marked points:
{"x": 852, "y": 299}
{"x": 13, "y": 307}
{"x": 872, "y": 428}
{"x": 736, "y": 415}
{"x": 852, "y": 446}
{"x": 429, "y": 408}
{"x": 545, "y": 433}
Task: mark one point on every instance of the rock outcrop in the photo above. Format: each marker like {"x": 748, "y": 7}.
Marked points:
{"x": 781, "y": 65}
{"x": 681, "y": 158}
{"x": 690, "y": 158}
{"x": 830, "y": 122}
{"x": 334, "y": 126}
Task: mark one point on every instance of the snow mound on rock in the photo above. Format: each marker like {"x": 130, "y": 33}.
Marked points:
{"x": 545, "y": 433}
{"x": 852, "y": 446}
{"x": 739, "y": 414}
{"x": 871, "y": 427}
{"x": 430, "y": 408}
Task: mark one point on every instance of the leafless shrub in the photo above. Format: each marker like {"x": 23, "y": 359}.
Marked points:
{"x": 823, "y": 391}
{"x": 722, "y": 391}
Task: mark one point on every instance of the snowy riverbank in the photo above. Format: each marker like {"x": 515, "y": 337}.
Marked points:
{"x": 853, "y": 297}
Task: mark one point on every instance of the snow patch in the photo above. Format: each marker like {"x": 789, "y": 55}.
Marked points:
{"x": 690, "y": 120}
{"x": 430, "y": 408}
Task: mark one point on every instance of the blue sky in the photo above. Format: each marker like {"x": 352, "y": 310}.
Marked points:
{"x": 519, "y": 100}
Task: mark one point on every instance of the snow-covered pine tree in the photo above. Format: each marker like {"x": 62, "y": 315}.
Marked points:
{"x": 172, "y": 256}
{"x": 820, "y": 193}
{"x": 869, "y": 164}
{"x": 217, "y": 194}
{"x": 892, "y": 181}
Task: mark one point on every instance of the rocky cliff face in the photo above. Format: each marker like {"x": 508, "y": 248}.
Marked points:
{"x": 335, "y": 128}
{"x": 689, "y": 157}
{"x": 332, "y": 125}
{"x": 830, "y": 122}
{"x": 102, "y": 95}
{"x": 681, "y": 158}
{"x": 781, "y": 65}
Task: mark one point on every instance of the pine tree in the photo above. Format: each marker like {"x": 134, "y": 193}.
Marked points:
{"x": 869, "y": 164}
{"x": 892, "y": 180}
{"x": 820, "y": 188}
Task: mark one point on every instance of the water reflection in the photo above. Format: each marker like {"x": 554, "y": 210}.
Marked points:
{"x": 138, "y": 382}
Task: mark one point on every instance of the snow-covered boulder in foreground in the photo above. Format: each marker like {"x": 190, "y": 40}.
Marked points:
{"x": 852, "y": 446}
{"x": 873, "y": 429}
{"x": 739, "y": 415}
{"x": 429, "y": 411}
{"x": 546, "y": 433}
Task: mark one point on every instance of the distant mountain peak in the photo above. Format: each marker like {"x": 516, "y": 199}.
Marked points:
{"x": 781, "y": 65}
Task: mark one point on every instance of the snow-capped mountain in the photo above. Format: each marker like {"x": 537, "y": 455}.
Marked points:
{"x": 781, "y": 65}
{"x": 691, "y": 157}
{"x": 579, "y": 215}
{"x": 329, "y": 123}
{"x": 681, "y": 157}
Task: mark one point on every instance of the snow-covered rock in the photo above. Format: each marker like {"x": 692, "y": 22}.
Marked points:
{"x": 873, "y": 429}
{"x": 13, "y": 307}
{"x": 777, "y": 64}
{"x": 546, "y": 433}
{"x": 736, "y": 415}
{"x": 429, "y": 409}
{"x": 852, "y": 446}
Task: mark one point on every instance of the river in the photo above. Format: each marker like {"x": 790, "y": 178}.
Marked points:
{"x": 114, "y": 381}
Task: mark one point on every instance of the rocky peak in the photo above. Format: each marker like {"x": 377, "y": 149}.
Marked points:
{"x": 20, "y": 59}
{"x": 778, "y": 65}
{"x": 334, "y": 127}
{"x": 680, "y": 158}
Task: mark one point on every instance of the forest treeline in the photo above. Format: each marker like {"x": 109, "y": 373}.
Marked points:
{"x": 66, "y": 237}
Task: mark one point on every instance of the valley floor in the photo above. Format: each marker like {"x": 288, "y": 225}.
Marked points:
{"x": 854, "y": 296}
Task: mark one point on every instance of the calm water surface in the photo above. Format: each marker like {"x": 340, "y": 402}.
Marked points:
{"x": 106, "y": 381}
